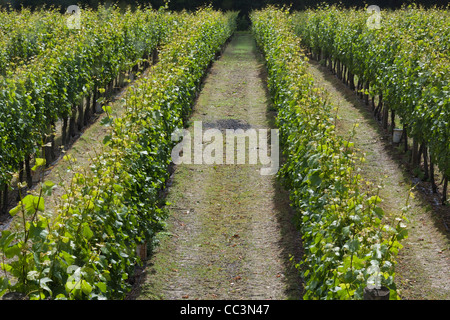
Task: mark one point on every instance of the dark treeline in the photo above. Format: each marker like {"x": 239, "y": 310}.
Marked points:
{"x": 244, "y": 6}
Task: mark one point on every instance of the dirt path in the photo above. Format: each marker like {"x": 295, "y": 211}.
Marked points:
{"x": 423, "y": 270}
{"x": 230, "y": 234}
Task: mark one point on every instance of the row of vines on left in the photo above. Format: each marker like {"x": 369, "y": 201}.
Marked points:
{"x": 88, "y": 248}
{"x": 64, "y": 80}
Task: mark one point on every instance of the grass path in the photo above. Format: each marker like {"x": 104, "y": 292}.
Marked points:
{"x": 424, "y": 262}
{"x": 229, "y": 234}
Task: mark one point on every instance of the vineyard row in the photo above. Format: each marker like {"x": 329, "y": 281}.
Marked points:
{"x": 68, "y": 81}
{"x": 401, "y": 68}
{"x": 348, "y": 241}
{"x": 88, "y": 249}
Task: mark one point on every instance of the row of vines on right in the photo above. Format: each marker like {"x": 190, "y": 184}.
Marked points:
{"x": 348, "y": 241}
{"x": 398, "y": 62}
